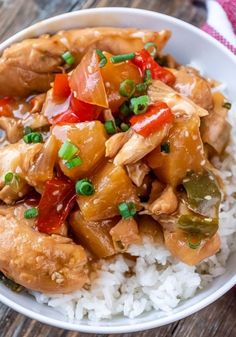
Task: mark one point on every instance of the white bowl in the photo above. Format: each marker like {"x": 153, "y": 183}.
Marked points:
{"x": 188, "y": 44}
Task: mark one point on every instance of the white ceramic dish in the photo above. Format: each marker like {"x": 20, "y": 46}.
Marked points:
{"x": 188, "y": 44}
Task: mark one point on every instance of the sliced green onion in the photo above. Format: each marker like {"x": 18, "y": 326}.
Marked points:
{"x": 122, "y": 58}
{"x": 227, "y": 105}
{"x": 68, "y": 58}
{"x": 193, "y": 241}
{"x": 102, "y": 57}
{"x": 74, "y": 162}
{"x": 148, "y": 77}
{"x": 165, "y": 147}
{"x": 141, "y": 87}
{"x": 31, "y": 213}
{"x": 67, "y": 150}
{"x": 151, "y": 48}
{"x": 124, "y": 127}
{"x": 110, "y": 127}
{"x": 127, "y": 88}
{"x": 27, "y": 130}
{"x": 139, "y": 104}
{"x": 33, "y": 137}
{"x": 84, "y": 187}
{"x": 8, "y": 177}
{"x": 127, "y": 210}
{"x": 125, "y": 110}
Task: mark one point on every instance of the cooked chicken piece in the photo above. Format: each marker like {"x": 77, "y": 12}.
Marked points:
{"x": 177, "y": 244}
{"x": 36, "y": 121}
{"x": 215, "y": 129}
{"x": 30, "y": 65}
{"x": 37, "y": 103}
{"x": 138, "y": 146}
{"x": 115, "y": 143}
{"x": 180, "y": 105}
{"x": 167, "y": 203}
{"x": 16, "y": 158}
{"x": 190, "y": 84}
{"x": 51, "y": 264}
{"x": 157, "y": 189}
{"x": 124, "y": 234}
{"x": 151, "y": 228}
{"x": 137, "y": 172}
{"x": 12, "y": 127}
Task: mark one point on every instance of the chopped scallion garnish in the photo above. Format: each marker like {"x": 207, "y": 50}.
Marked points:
{"x": 33, "y": 137}
{"x": 127, "y": 210}
{"x": 67, "y": 150}
{"x": 122, "y": 58}
{"x": 74, "y": 162}
{"x": 124, "y": 127}
{"x": 68, "y": 58}
{"x": 141, "y": 87}
{"x": 194, "y": 241}
{"x": 127, "y": 88}
{"x": 151, "y": 48}
{"x": 139, "y": 104}
{"x": 110, "y": 127}
{"x": 227, "y": 105}
{"x": 165, "y": 147}
{"x": 125, "y": 110}
{"x": 84, "y": 187}
{"x": 102, "y": 57}
{"x": 148, "y": 77}
{"x": 8, "y": 178}
{"x": 31, "y": 213}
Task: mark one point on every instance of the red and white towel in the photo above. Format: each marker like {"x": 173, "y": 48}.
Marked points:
{"x": 221, "y": 22}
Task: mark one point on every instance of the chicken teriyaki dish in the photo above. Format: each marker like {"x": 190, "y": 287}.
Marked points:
{"x": 108, "y": 145}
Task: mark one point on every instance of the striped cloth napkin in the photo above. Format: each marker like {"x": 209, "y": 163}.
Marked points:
{"x": 221, "y": 21}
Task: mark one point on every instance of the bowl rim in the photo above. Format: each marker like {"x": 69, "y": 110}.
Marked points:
{"x": 90, "y": 328}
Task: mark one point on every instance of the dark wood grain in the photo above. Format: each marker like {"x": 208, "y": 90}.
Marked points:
{"x": 218, "y": 319}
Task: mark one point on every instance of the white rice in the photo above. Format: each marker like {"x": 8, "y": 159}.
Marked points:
{"x": 156, "y": 280}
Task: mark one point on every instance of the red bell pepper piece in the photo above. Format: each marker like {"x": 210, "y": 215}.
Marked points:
{"x": 57, "y": 200}
{"x": 156, "y": 116}
{"x": 78, "y": 112}
{"x": 145, "y": 61}
{"x": 61, "y": 88}
{"x": 5, "y": 108}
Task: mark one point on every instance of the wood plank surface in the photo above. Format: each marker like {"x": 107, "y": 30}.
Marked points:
{"x": 218, "y": 319}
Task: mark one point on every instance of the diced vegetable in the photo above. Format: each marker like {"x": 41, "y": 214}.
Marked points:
{"x": 127, "y": 88}
{"x": 125, "y": 233}
{"x": 57, "y": 200}
{"x": 74, "y": 162}
{"x": 122, "y": 58}
{"x": 86, "y": 81}
{"x": 178, "y": 244}
{"x": 31, "y": 213}
{"x": 33, "y": 137}
{"x": 68, "y": 58}
{"x": 145, "y": 61}
{"x": 139, "y": 104}
{"x": 196, "y": 223}
{"x": 61, "y": 89}
{"x": 187, "y": 153}
{"x": 110, "y": 127}
{"x": 151, "y": 48}
{"x": 9, "y": 176}
{"x": 203, "y": 194}
{"x": 115, "y": 73}
{"x": 156, "y": 116}
{"x": 84, "y": 187}
{"x": 5, "y": 107}
{"x": 127, "y": 210}
{"x": 112, "y": 186}
{"x": 67, "y": 150}
{"x": 227, "y": 105}
{"x": 102, "y": 57}
{"x": 89, "y": 138}
{"x": 93, "y": 235}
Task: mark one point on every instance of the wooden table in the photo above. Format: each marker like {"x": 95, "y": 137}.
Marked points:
{"x": 218, "y": 319}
